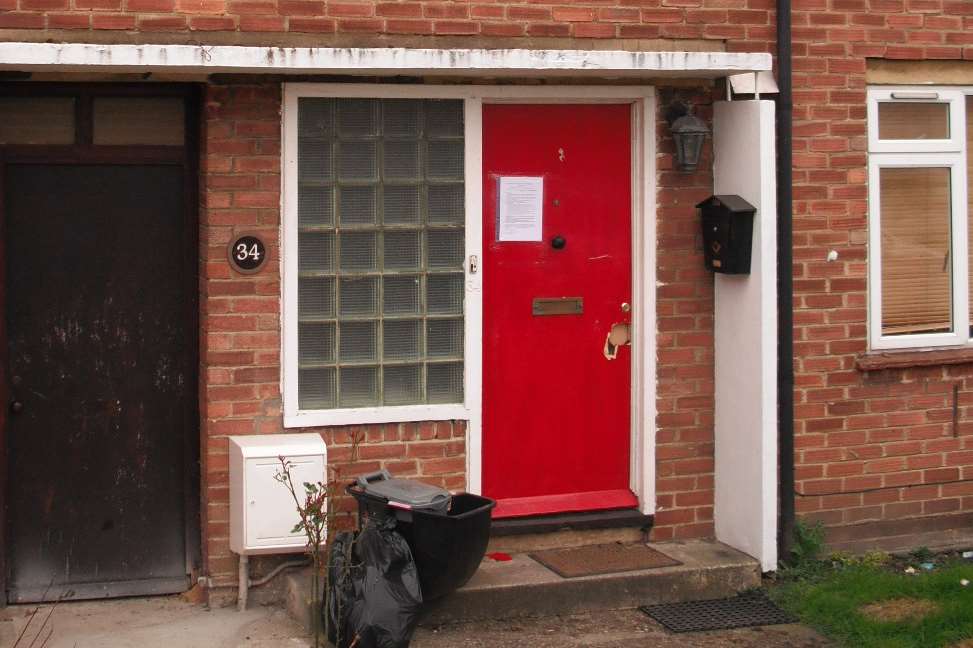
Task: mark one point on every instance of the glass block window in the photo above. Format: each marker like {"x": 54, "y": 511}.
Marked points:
{"x": 381, "y": 251}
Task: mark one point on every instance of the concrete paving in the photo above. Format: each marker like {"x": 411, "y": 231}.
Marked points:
{"x": 607, "y": 629}
{"x": 166, "y": 622}
{"x": 489, "y": 611}
{"x": 169, "y": 622}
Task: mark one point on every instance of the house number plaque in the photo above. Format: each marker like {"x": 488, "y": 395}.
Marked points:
{"x": 247, "y": 253}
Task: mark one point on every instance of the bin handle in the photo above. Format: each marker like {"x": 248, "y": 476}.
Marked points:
{"x": 368, "y": 478}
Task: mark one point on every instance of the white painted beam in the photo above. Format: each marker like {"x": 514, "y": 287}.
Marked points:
{"x": 374, "y": 61}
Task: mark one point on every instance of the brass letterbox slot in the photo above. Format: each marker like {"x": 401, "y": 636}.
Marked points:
{"x": 557, "y": 306}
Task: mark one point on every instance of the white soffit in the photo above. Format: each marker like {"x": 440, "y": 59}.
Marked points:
{"x": 371, "y": 61}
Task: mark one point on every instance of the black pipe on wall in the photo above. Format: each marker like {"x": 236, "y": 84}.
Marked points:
{"x": 785, "y": 285}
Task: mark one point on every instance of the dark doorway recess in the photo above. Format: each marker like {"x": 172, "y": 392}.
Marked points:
{"x": 100, "y": 350}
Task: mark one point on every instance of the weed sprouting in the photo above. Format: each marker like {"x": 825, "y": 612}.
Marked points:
{"x": 316, "y": 511}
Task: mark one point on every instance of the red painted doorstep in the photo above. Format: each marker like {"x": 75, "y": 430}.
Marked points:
{"x": 565, "y": 503}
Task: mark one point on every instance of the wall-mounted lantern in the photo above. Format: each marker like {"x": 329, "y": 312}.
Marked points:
{"x": 688, "y": 132}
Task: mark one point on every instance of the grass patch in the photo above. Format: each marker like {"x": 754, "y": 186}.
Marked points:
{"x": 839, "y": 598}
{"x": 899, "y": 609}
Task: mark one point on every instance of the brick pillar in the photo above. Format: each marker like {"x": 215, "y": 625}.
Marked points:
{"x": 684, "y": 438}
{"x": 240, "y": 314}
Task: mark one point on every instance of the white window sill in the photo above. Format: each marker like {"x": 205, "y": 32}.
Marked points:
{"x": 367, "y": 415}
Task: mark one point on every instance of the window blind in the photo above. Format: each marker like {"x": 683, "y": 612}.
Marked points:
{"x": 908, "y": 121}
{"x": 915, "y": 227}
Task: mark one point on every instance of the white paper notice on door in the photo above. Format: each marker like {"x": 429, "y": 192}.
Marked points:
{"x": 520, "y": 208}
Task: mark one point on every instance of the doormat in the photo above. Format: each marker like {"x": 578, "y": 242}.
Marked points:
{"x": 742, "y": 611}
{"x": 610, "y": 558}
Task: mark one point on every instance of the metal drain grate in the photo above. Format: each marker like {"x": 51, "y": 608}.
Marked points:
{"x": 745, "y": 610}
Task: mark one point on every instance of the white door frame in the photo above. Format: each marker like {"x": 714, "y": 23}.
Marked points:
{"x": 643, "y": 404}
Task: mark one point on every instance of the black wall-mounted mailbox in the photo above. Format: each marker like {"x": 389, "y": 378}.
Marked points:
{"x": 727, "y": 233}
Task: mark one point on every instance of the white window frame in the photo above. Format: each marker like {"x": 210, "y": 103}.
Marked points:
{"x": 947, "y": 153}
{"x": 643, "y": 402}
{"x": 293, "y": 415}
{"x": 951, "y": 97}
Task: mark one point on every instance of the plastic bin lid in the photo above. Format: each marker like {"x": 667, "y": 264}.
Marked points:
{"x": 404, "y": 491}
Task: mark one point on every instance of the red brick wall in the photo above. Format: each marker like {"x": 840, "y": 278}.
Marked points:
{"x": 747, "y": 21}
{"x": 684, "y": 438}
{"x": 240, "y": 337}
{"x": 870, "y": 446}
{"x": 879, "y": 445}
{"x": 240, "y": 341}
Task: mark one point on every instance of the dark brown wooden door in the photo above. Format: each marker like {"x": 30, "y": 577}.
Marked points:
{"x": 101, "y": 360}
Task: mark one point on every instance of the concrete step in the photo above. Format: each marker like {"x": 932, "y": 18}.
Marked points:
{"x": 522, "y": 587}
{"x": 527, "y": 542}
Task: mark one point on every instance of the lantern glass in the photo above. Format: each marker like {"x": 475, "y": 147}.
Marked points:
{"x": 688, "y": 132}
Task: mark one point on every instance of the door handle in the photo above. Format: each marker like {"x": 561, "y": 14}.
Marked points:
{"x": 16, "y": 407}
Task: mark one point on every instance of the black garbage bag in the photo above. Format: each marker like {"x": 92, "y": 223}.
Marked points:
{"x": 344, "y": 572}
{"x": 380, "y": 577}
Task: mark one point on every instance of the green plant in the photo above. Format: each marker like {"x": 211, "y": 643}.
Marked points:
{"x": 836, "y": 603}
{"x": 808, "y": 541}
{"x": 807, "y": 545}
{"x": 315, "y": 509}
{"x": 805, "y": 561}
{"x": 874, "y": 559}
{"x": 842, "y": 559}
{"x": 314, "y": 514}
{"x": 845, "y": 560}
{"x": 921, "y": 554}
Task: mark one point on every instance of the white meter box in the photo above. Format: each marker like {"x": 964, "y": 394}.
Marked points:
{"x": 262, "y": 511}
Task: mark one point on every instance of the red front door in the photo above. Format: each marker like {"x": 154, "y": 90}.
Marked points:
{"x": 556, "y": 410}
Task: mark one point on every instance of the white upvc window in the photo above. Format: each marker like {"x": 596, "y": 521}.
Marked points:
{"x": 918, "y": 209}
{"x": 374, "y": 257}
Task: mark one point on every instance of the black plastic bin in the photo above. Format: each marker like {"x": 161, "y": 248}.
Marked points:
{"x": 447, "y": 547}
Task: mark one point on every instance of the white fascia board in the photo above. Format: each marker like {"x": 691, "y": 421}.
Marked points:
{"x": 371, "y": 61}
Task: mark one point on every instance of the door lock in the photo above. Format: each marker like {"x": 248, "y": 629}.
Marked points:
{"x": 626, "y": 307}
{"x": 474, "y": 264}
